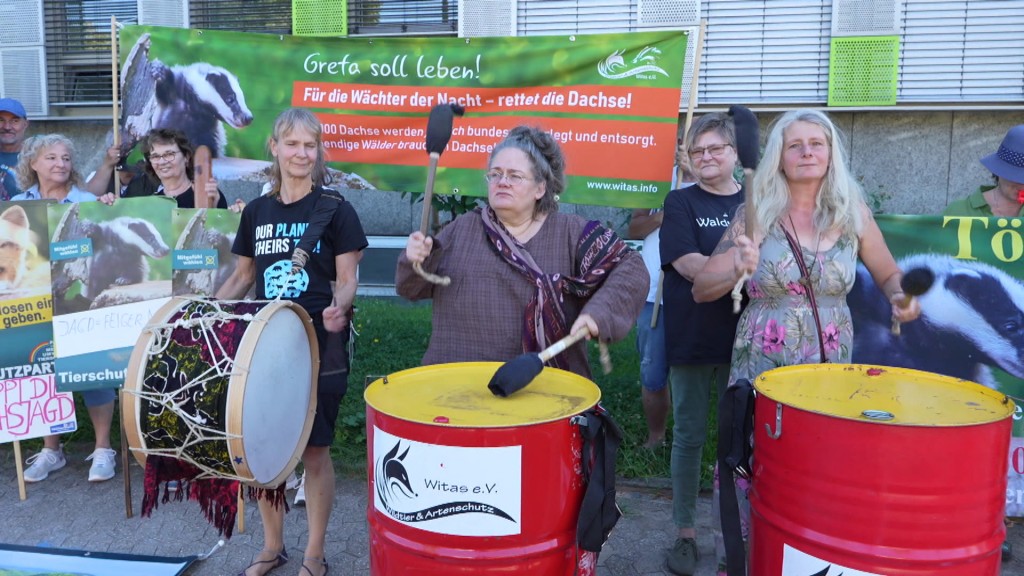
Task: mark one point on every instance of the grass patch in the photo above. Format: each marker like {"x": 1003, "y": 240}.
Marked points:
{"x": 393, "y": 336}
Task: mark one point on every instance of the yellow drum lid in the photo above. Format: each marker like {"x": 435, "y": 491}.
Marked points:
{"x": 883, "y": 394}
{"x": 457, "y": 395}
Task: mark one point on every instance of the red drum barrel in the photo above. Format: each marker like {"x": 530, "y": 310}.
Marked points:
{"x": 464, "y": 482}
{"x": 866, "y": 471}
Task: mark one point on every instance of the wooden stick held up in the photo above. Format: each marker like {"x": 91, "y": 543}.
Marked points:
{"x": 439, "y": 132}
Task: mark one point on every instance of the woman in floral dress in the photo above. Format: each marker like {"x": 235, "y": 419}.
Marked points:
{"x": 804, "y": 188}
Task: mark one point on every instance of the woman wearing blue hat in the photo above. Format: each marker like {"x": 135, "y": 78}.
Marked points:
{"x": 1006, "y": 198}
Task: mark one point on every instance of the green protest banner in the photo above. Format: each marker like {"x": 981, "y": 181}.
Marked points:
{"x": 611, "y": 100}
{"x": 110, "y": 271}
{"x": 972, "y": 314}
{"x": 30, "y": 405}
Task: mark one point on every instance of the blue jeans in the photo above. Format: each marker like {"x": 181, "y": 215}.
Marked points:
{"x": 691, "y": 399}
{"x": 98, "y": 397}
{"x": 650, "y": 344}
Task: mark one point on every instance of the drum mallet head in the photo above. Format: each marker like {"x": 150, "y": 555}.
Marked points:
{"x": 519, "y": 372}
{"x": 439, "y": 126}
{"x": 514, "y": 375}
{"x": 914, "y": 283}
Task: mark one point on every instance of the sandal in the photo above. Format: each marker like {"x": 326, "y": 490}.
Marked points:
{"x": 320, "y": 561}
{"x": 278, "y": 561}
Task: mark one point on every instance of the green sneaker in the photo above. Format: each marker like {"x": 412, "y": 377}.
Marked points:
{"x": 682, "y": 558}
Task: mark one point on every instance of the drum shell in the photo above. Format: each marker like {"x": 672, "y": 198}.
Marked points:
{"x": 551, "y": 493}
{"x": 881, "y": 498}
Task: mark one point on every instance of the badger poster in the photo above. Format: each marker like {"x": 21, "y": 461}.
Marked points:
{"x": 972, "y": 312}
{"x": 30, "y": 406}
{"x": 611, "y": 100}
{"x": 202, "y": 260}
{"x": 110, "y": 271}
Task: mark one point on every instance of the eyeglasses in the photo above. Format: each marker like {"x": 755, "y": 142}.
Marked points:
{"x": 715, "y": 151}
{"x": 513, "y": 178}
{"x": 165, "y": 157}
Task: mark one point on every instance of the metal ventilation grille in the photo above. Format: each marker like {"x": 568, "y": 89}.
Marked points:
{"x": 691, "y": 55}
{"x": 863, "y": 71}
{"x": 319, "y": 18}
{"x": 271, "y": 16}
{"x": 402, "y": 17}
{"x": 487, "y": 18}
{"x": 170, "y": 13}
{"x": 866, "y": 17}
{"x": 27, "y": 84}
{"x": 668, "y": 13}
{"x": 78, "y": 48}
{"x": 22, "y": 22}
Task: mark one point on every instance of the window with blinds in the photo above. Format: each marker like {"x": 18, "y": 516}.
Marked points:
{"x": 403, "y": 17}
{"x": 766, "y": 52}
{"x": 962, "y": 51}
{"x": 78, "y": 68}
{"x": 270, "y": 16}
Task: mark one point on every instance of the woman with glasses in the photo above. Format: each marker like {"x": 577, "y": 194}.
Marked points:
{"x": 522, "y": 274}
{"x": 169, "y": 157}
{"x": 46, "y": 171}
{"x": 698, "y": 337}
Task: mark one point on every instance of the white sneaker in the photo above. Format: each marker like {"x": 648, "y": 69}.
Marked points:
{"x": 40, "y": 465}
{"x": 300, "y": 493}
{"x": 292, "y": 482}
{"x": 103, "y": 460}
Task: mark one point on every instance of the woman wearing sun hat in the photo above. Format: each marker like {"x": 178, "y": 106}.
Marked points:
{"x": 1006, "y": 198}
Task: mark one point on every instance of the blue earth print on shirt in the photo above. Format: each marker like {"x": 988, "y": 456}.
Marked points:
{"x": 279, "y": 281}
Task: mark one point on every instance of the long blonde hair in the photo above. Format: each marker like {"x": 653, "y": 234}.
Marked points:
{"x": 839, "y": 202}
{"x": 31, "y": 148}
{"x": 287, "y": 121}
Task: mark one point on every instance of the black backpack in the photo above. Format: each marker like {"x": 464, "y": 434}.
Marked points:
{"x": 598, "y": 512}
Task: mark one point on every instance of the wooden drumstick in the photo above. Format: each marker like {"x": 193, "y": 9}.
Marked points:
{"x": 748, "y": 142}
{"x": 439, "y": 132}
{"x": 202, "y": 164}
{"x": 20, "y": 468}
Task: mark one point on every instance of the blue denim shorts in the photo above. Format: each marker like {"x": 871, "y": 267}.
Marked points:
{"x": 650, "y": 344}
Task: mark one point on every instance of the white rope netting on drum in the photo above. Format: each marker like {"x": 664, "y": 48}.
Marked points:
{"x": 223, "y": 366}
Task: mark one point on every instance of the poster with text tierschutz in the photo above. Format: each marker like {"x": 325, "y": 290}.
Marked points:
{"x": 610, "y": 100}
{"x": 110, "y": 271}
{"x": 30, "y": 406}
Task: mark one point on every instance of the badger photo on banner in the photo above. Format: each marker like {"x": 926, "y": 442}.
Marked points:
{"x": 201, "y": 260}
{"x": 611, "y": 100}
{"x": 972, "y": 314}
{"x": 110, "y": 271}
{"x": 30, "y": 405}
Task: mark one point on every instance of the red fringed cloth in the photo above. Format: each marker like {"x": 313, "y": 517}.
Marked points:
{"x": 217, "y": 497}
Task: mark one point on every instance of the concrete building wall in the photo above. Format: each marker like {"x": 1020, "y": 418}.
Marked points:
{"x": 908, "y": 162}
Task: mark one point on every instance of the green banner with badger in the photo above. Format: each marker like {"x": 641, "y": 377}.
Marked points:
{"x": 972, "y": 312}
{"x": 611, "y": 100}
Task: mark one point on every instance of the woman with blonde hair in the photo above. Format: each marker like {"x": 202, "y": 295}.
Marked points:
{"x": 299, "y": 164}
{"x": 46, "y": 171}
{"x": 811, "y": 225}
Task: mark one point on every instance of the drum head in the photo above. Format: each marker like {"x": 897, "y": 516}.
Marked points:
{"x": 457, "y": 395}
{"x": 885, "y": 395}
{"x": 272, "y": 395}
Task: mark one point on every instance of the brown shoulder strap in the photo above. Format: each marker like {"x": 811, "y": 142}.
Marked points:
{"x": 798, "y": 254}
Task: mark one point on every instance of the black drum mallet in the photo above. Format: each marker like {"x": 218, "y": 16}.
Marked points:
{"x": 914, "y": 283}
{"x": 517, "y": 373}
{"x": 439, "y": 132}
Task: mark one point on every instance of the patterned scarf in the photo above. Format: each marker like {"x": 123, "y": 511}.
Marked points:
{"x": 598, "y": 251}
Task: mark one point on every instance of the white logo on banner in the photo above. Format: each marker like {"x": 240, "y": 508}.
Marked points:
{"x": 448, "y": 489}
{"x": 614, "y": 67}
{"x": 797, "y": 563}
